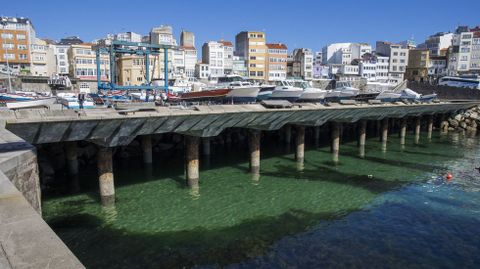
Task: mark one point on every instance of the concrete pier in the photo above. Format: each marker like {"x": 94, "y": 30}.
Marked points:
{"x": 430, "y": 127}
{"x": 403, "y": 131}
{"x": 335, "y": 141}
{"x": 206, "y": 150}
{"x": 105, "y": 176}
{"x": 300, "y": 144}
{"x": 146, "y": 142}
{"x": 417, "y": 129}
{"x": 384, "y": 138}
{"x": 362, "y": 137}
{"x": 72, "y": 157}
{"x": 254, "y": 148}
{"x": 192, "y": 162}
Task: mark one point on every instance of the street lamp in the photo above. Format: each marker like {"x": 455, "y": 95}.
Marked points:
{"x": 8, "y": 65}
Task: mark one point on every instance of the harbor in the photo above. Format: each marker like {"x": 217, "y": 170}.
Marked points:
{"x": 207, "y": 138}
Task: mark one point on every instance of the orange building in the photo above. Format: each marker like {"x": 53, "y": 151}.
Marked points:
{"x": 16, "y": 35}
{"x": 251, "y": 46}
{"x": 276, "y": 62}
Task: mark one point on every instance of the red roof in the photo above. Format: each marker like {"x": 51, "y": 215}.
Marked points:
{"x": 277, "y": 46}
{"x": 226, "y": 43}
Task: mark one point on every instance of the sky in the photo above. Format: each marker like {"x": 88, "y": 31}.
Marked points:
{"x": 309, "y": 24}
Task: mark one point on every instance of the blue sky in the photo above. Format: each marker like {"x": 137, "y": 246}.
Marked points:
{"x": 310, "y": 24}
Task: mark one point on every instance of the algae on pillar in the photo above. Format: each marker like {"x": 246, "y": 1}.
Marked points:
{"x": 335, "y": 141}
{"x": 430, "y": 127}
{"x": 403, "y": 131}
{"x": 362, "y": 136}
{"x": 105, "y": 176}
{"x": 254, "y": 148}
{"x": 191, "y": 157}
{"x": 300, "y": 144}
{"x": 417, "y": 130}
{"x": 384, "y": 133}
{"x": 146, "y": 142}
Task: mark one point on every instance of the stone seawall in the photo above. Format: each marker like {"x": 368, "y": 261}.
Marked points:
{"x": 445, "y": 92}
{"x": 26, "y": 241}
{"x": 465, "y": 121}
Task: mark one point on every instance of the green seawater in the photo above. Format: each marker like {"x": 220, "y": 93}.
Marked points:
{"x": 310, "y": 215}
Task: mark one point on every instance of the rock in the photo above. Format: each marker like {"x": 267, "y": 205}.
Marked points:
{"x": 452, "y": 122}
{"x": 463, "y": 125}
{"x": 458, "y": 117}
{"x": 471, "y": 129}
{"x": 474, "y": 116}
{"x": 444, "y": 125}
{"x": 451, "y": 129}
{"x": 474, "y": 124}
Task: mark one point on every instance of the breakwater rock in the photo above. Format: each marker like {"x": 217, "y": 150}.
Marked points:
{"x": 465, "y": 121}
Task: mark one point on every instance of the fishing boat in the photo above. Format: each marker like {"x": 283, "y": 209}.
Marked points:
{"x": 388, "y": 96}
{"x": 284, "y": 90}
{"x": 70, "y": 101}
{"x": 242, "y": 92}
{"x": 32, "y": 103}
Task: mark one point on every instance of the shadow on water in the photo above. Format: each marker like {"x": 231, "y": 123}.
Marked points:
{"x": 179, "y": 249}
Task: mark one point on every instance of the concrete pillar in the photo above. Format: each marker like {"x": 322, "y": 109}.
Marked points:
{"x": 105, "y": 176}
{"x": 362, "y": 136}
{"x": 403, "y": 131}
{"x": 71, "y": 155}
{"x": 206, "y": 146}
{"x": 417, "y": 129}
{"x": 384, "y": 133}
{"x": 254, "y": 147}
{"x": 335, "y": 141}
{"x": 316, "y": 135}
{"x": 191, "y": 158}
{"x": 287, "y": 134}
{"x": 430, "y": 127}
{"x": 300, "y": 144}
{"x": 146, "y": 141}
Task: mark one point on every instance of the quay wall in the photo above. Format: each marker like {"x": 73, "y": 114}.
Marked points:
{"x": 26, "y": 241}
{"x": 445, "y": 92}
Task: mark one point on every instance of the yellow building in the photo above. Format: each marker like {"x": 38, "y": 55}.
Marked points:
{"x": 417, "y": 69}
{"x": 83, "y": 66}
{"x": 132, "y": 70}
{"x": 251, "y": 45}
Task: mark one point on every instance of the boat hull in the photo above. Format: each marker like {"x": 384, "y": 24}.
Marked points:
{"x": 312, "y": 96}
{"x": 41, "y": 102}
{"x": 288, "y": 95}
{"x": 243, "y": 95}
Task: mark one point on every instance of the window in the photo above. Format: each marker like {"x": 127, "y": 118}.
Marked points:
{"x": 61, "y": 50}
{"x": 395, "y": 54}
{"x": 7, "y": 36}
{"x": 21, "y": 37}
{"x": 253, "y": 73}
{"x": 260, "y": 73}
{"x": 22, "y": 47}
{"x": 8, "y": 46}
{"x": 23, "y": 56}
{"x": 9, "y": 56}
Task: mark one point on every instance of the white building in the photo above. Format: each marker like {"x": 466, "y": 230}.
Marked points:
{"x": 202, "y": 71}
{"x": 344, "y": 53}
{"x": 190, "y": 60}
{"x": 437, "y": 67}
{"x": 398, "y": 60}
{"x": 437, "y": 43}
{"x": 39, "y": 50}
{"x": 302, "y": 63}
{"x": 61, "y": 59}
{"x": 464, "y": 55}
{"x": 227, "y": 56}
{"x": 129, "y": 37}
{"x": 239, "y": 66}
{"x": 213, "y": 55}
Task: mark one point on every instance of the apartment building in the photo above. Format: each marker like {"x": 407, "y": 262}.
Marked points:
{"x": 202, "y": 71}
{"x": 132, "y": 70}
{"x": 418, "y": 62}
{"x": 83, "y": 66}
{"x": 437, "y": 43}
{"x": 398, "y": 60}
{"x": 251, "y": 46}
{"x": 239, "y": 66}
{"x": 43, "y": 62}
{"x": 344, "y": 53}
{"x": 213, "y": 55}
{"x": 16, "y": 37}
{"x": 302, "y": 63}
{"x": 187, "y": 39}
{"x": 464, "y": 55}
{"x": 277, "y": 55}
{"x": 128, "y": 37}
{"x": 227, "y": 56}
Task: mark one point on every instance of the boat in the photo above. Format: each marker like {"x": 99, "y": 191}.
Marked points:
{"x": 70, "y": 101}
{"x": 17, "y": 96}
{"x": 388, "y": 96}
{"x": 410, "y": 95}
{"x": 343, "y": 91}
{"x": 309, "y": 94}
{"x": 32, "y": 103}
{"x": 206, "y": 95}
{"x": 284, "y": 90}
{"x": 265, "y": 92}
{"x": 242, "y": 92}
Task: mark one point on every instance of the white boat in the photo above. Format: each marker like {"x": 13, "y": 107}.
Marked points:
{"x": 309, "y": 94}
{"x": 343, "y": 91}
{"x": 284, "y": 90}
{"x": 70, "y": 101}
{"x": 387, "y": 96}
{"x": 37, "y": 102}
{"x": 410, "y": 95}
{"x": 242, "y": 92}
